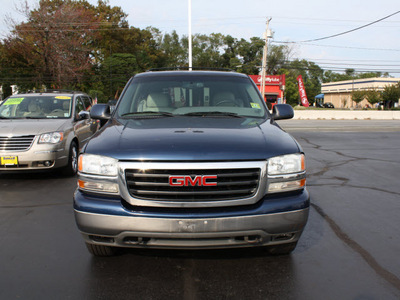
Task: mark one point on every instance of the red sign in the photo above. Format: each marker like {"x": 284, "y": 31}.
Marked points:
{"x": 269, "y": 79}
{"x": 189, "y": 181}
{"x": 302, "y": 92}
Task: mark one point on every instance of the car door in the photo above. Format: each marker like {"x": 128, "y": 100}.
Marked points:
{"x": 83, "y": 126}
{"x": 94, "y": 124}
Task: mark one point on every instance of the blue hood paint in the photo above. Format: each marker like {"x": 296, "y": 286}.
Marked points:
{"x": 192, "y": 139}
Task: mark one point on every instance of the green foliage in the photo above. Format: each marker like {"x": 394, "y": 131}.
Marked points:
{"x": 116, "y": 71}
{"x": 312, "y": 77}
{"x": 358, "y": 96}
{"x": 349, "y": 74}
{"x": 373, "y": 96}
{"x": 391, "y": 94}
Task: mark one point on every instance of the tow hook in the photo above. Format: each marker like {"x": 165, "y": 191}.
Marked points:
{"x": 252, "y": 239}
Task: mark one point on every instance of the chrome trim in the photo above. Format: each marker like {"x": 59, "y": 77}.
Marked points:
{"x": 287, "y": 177}
{"x": 49, "y": 151}
{"x": 5, "y": 140}
{"x": 98, "y": 177}
{"x": 262, "y": 165}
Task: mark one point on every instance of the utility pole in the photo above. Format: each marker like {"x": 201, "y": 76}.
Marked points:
{"x": 267, "y": 35}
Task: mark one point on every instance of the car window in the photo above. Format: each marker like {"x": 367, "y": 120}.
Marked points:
{"x": 183, "y": 95}
{"x": 36, "y": 106}
{"x": 87, "y": 102}
{"x": 79, "y": 106}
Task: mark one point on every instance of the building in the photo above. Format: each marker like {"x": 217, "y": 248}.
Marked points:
{"x": 339, "y": 93}
{"x": 274, "y": 87}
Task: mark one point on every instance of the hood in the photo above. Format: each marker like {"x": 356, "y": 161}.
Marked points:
{"x": 30, "y": 126}
{"x": 192, "y": 139}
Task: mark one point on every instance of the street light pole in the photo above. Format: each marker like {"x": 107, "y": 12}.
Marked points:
{"x": 190, "y": 33}
{"x": 267, "y": 34}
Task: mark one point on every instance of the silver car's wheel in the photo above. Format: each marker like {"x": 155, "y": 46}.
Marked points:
{"x": 72, "y": 166}
{"x": 74, "y": 158}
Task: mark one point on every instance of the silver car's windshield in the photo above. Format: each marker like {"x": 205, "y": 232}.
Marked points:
{"x": 191, "y": 95}
{"x": 36, "y": 107}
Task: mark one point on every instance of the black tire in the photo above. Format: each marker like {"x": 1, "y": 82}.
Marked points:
{"x": 282, "y": 249}
{"x": 72, "y": 167}
{"x": 101, "y": 250}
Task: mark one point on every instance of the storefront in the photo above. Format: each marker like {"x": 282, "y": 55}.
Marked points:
{"x": 340, "y": 93}
{"x": 274, "y": 88}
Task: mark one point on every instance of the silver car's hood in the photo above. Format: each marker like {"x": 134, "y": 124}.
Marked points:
{"x": 14, "y": 127}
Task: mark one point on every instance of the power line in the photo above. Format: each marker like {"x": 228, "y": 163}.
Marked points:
{"x": 352, "y": 30}
{"x": 335, "y": 46}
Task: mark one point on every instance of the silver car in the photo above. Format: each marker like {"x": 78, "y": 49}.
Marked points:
{"x": 44, "y": 130}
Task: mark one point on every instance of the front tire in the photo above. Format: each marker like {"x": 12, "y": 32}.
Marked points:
{"x": 72, "y": 167}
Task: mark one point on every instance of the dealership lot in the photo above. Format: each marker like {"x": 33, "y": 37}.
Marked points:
{"x": 349, "y": 249}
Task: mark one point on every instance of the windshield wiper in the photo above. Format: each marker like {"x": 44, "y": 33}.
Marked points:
{"x": 33, "y": 118}
{"x": 146, "y": 114}
{"x": 212, "y": 114}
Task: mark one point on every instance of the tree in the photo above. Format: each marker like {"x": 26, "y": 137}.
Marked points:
{"x": 312, "y": 77}
{"x": 358, "y": 96}
{"x": 172, "y": 50}
{"x": 373, "y": 96}
{"x": 55, "y": 44}
{"x": 207, "y": 50}
{"x": 391, "y": 94}
{"x": 278, "y": 57}
{"x": 116, "y": 71}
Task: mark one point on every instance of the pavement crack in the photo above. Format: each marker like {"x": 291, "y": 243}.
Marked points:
{"x": 368, "y": 258}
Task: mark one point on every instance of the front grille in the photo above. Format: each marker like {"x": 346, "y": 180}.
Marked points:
{"x": 16, "y": 143}
{"x": 154, "y": 184}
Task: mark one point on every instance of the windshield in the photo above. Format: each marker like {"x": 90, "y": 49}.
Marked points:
{"x": 36, "y": 107}
{"x": 191, "y": 95}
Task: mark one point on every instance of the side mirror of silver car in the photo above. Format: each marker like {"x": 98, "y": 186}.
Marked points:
{"x": 83, "y": 115}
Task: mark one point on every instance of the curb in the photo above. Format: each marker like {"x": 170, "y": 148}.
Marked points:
{"x": 346, "y": 115}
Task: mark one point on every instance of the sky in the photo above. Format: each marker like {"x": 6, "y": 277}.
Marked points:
{"x": 372, "y": 48}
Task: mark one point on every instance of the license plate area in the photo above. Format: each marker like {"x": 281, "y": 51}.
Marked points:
{"x": 9, "y": 160}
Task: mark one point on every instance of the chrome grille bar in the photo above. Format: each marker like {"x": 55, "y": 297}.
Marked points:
{"x": 158, "y": 183}
{"x": 16, "y": 143}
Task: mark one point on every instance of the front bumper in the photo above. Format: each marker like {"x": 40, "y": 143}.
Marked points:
{"x": 275, "y": 221}
{"x": 38, "y": 157}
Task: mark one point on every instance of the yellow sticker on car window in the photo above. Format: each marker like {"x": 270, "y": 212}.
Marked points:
{"x": 13, "y": 101}
{"x": 63, "y": 97}
{"x": 255, "y": 105}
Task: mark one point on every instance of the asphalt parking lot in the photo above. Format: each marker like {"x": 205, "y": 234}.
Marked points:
{"x": 349, "y": 249}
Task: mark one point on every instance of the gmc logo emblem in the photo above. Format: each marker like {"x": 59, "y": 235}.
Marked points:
{"x": 193, "y": 181}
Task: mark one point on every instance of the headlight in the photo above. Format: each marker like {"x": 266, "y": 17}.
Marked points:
{"x": 51, "y": 138}
{"x": 286, "y": 164}
{"x": 98, "y": 174}
{"x": 286, "y": 173}
{"x": 98, "y": 165}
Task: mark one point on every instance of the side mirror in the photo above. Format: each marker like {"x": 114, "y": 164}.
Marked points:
{"x": 101, "y": 112}
{"x": 83, "y": 115}
{"x": 282, "y": 111}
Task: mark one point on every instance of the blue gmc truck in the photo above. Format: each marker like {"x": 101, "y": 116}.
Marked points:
{"x": 191, "y": 160}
